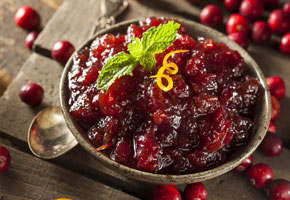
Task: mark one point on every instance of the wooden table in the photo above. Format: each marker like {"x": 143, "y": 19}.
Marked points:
{"x": 77, "y": 174}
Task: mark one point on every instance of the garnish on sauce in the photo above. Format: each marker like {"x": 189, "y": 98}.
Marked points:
{"x": 154, "y": 41}
{"x": 105, "y": 146}
{"x": 172, "y": 68}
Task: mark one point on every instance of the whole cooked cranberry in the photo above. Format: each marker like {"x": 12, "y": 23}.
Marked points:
{"x": 238, "y": 23}
{"x": 4, "y": 159}
{"x": 27, "y": 18}
{"x": 239, "y": 38}
{"x": 285, "y": 43}
{"x": 275, "y": 109}
{"x": 232, "y": 5}
{"x": 279, "y": 21}
{"x": 272, "y": 145}
{"x": 62, "y": 51}
{"x": 276, "y": 86}
{"x": 31, "y": 94}
{"x": 212, "y": 16}
{"x": 30, "y": 38}
{"x": 286, "y": 7}
{"x": 261, "y": 32}
{"x": 245, "y": 164}
{"x": 279, "y": 189}
{"x": 252, "y": 9}
{"x": 195, "y": 191}
{"x": 270, "y": 3}
{"x": 166, "y": 192}
{"x": 272, "y": 128}
{"x": 260, "y": 175}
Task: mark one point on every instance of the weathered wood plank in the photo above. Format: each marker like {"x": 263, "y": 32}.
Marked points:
{"x": 37, "y": 179}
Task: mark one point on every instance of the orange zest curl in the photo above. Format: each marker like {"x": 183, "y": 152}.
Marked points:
{"x": 105, "y": 146}
{"x": 172, "y": 68}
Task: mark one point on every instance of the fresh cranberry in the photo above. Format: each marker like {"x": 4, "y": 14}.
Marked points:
{"x": 211, "y": 15}
{"x": 270, "y": 3}
{"x": 285, "y": 43}
{"x": 232, "y": 5}
{"x": 31, "y": 94}
{"x": 260, "y": 175}
{"x": 272, "y": 145}
{"x": 252, "y": 9}
{"x": 279, "y": 21}
{"x": 245, "y": 164}
{"x": 261, "y": 32}
{"x": 272, "y": 128}
{"x": 166, "y": 192}
{"x": 286, "y": 7}
{"x": 279, "y": 189}
{"x": 238, "y": 23}
{"x": 4, "y": 159}
{"x": 27, "y": 18}
{"x": 275, "y": 109}
{"x": 239, "y": 38}
{"x": 30, "y": 38}
{"x": 195, "y": 191}
{"x": 276, "y": 86}
{"x": 62, "y": 51}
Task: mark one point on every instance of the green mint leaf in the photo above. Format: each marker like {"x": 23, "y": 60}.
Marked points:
{"x": 119, "y": 65}
{"x": 156, "y": 40}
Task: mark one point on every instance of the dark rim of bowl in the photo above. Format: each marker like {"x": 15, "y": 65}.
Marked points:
{"x": 253, "y": 142}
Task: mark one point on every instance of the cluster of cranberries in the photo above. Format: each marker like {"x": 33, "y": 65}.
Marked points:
{"x": 28, "y": 19}
{"x": 238, "y": 24}
{"x": 194, "y": 191}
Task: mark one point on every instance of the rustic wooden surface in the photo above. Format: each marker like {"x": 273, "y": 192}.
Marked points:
{"x": 13, "y": 51}
{"x": 27, "y": 177}
{"x": 16, "y": 116}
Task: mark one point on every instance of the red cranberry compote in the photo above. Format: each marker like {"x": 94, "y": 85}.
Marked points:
{"x": 193, "y": 127}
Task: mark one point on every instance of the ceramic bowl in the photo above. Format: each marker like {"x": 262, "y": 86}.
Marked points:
{"x": 261, "y": 121}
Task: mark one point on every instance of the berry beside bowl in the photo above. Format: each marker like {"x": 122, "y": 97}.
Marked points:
{"x": 194, "y": 132}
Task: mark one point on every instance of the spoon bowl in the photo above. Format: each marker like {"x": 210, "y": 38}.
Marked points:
{"x": 48, "y": 135}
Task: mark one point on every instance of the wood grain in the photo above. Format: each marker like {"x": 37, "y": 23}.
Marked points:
{"x": 37, "y": 179}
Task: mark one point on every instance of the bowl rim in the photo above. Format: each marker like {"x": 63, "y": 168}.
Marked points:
{"x": 253, "y": 143}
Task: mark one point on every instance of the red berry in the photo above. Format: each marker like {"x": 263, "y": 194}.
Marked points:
{"x": 260, "y": 175}
{"x": 62, "y": 51}
{"x": 272, "y": 145}
{"x": 279, "y": 21}
{"x": 261, "y": 32}
{"x": 31, "y": 94}
{"x": 276, "y": 86}
{"x": 272, "y": 128}
{"x": 27, "y": 18}
{"x": 239, "y": 38}
{"x": 279, "y": 190}
{"x": 286, "y": 7}
{"x": 4, "y": 159}
{"x": 252, "y": 9}
{"x": 211, "y": 16}
{"x": 166, "y": 192}
{"x": 285, "y": 43}
{"x": 238, "y": 23}
{"x": 195, "y": 191}
{"x": 30, "y": 38}
{"x": 270, "y": 3}
{"x": 275, "y": 109}
{"x": 232, "y": 5}
{"x": 245, "y": 164}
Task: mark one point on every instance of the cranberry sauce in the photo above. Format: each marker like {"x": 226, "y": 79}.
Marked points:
{"x": 190, "y": 128}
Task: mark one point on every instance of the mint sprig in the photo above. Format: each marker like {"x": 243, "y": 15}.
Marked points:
{"x": 154, "y": 41}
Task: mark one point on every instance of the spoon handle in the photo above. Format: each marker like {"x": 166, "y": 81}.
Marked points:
{"x": 110, "y": 10}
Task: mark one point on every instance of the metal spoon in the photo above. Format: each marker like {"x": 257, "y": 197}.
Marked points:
{"x": 48, "y": 135}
